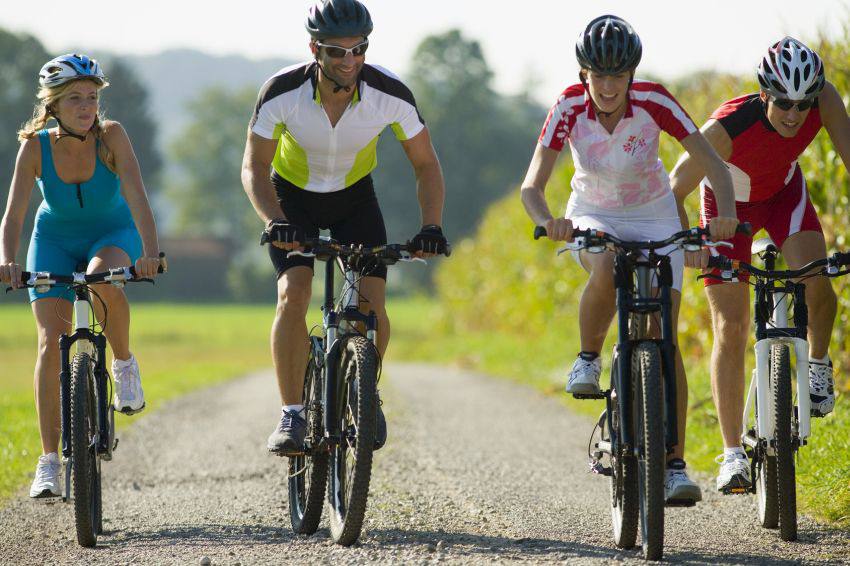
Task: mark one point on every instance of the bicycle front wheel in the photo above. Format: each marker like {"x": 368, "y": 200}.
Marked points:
{"x": 308, "y": 472}
{"x": 786, "y": 483}
{"x": 649, "y": 433}
{"x": 351, "y": 458}
{"x": 624, "y": 483}
{"x": 85, "y": 464}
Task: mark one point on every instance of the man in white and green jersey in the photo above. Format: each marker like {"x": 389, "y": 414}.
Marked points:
{"x": 315, "y": 128}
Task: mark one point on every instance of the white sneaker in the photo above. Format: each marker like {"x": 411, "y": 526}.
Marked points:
{"x": 46, "y": 481}
{"x": 129, "y": 397}
{"x": 679, "y": 489}
{"x": 584, "y": 376}
{"x": 734, "y": 475}
{"x": 821, "y": 388}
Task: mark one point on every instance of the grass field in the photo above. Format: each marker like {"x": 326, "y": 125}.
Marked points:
{"x": 182, "y": 347}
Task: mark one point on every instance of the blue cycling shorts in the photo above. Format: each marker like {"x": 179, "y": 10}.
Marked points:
{"x": 61, "y": 253}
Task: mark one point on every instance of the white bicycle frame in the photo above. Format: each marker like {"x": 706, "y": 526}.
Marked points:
{"x": 760, "y": 392}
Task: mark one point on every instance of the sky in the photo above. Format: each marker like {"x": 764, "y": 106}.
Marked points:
{"x": 529, "y": 45}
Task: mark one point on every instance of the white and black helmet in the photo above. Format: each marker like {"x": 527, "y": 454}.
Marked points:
{"x": 791, "y": 70}
{"x": 70, "y": 67}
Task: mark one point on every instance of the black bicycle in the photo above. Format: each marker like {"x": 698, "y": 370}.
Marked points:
{"x": 781, "y": 421}
{"x": 340, "y": 395}
{"x": 85, "y": 392}
{"x": 639, "y": 425}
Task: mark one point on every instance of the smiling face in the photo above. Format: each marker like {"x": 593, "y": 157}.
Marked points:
{"x": 78, "y": 105}
{"x": 344, "y": 70}
{"x": 787, "y": 123}
{"x": 608, "y": 92}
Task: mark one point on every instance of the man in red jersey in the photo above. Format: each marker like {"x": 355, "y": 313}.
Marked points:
{"x": 761, "y": 136}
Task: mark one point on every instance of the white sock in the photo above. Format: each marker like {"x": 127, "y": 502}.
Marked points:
{"x": 297, "y": 408}
{"x": 123, "y": 363}
{"x": 824, "y": 360}
{"x": 737, "y": 452}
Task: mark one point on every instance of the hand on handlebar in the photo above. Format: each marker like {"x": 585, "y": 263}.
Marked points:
{"x": 559, "y": 229}
{"x": 282, "y": 234}
{"x": 147, "y": 267}
{"x": 10, "y": 274}
{"x": 723, "y": 228}
{"x": 430, "y": 241}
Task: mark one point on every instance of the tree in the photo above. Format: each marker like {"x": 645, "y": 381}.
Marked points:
{"x": 127, "y": 100}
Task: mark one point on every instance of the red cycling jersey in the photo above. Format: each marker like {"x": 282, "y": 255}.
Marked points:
{"x": 762, "y": 161}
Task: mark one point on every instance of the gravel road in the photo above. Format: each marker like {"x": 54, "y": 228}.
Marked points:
{"x": 476, "y": 470}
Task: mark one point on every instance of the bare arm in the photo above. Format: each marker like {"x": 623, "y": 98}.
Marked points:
{"x": 705, "y": 153}
{"x": 430, "y": 187}
{"x": 132, "y": 186}
{"x": 256, "y": 166}
{"x": 533, "y": 196}
{"x": 835, "y": 120}
{"x": 23, "y": 181}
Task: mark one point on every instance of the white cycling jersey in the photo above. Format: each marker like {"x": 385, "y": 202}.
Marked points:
{"x": 316, "y": 156}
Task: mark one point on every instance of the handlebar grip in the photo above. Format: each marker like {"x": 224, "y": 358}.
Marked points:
{"x": 744, "y": 228}
{"x": 719, "y": 262}
{"x": 448, "y": 249}
{"x": 539, "y": 232}
{"x": 842, "y": 258}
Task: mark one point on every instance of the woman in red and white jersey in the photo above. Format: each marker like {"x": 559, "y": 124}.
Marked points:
{"x": 760, "y": 136}
{"x": 612, "y": 123}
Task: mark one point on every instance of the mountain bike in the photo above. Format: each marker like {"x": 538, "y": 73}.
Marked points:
{"x": 340, "y": 395}
{"x": 639, "y": 425}
{"x": 87, "y": 415}
{"x": 776, "y": 420}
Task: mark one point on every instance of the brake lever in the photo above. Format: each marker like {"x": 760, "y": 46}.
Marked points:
{"x": 301, "y": 253}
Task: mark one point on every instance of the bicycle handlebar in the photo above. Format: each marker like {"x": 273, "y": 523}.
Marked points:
{"x": 732, "y": 267}
{"x": 327, "y": 248}
{"x": 116, "y": 276}
{"x": 694, "y": 236}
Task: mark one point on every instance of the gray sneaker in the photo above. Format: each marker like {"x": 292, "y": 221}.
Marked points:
{"x": 288, "y": 438}
{"x": 821, "y": 388}
{"x": 679, "y": 489}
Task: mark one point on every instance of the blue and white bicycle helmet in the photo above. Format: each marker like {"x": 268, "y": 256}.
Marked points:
{"x": 70, "y": 67}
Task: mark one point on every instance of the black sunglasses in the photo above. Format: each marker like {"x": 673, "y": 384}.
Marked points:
{"x": 785, "y": 104}
{"x": 338, "y": 52}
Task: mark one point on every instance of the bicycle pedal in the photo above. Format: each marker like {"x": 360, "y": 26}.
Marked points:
{"x": 598, "y": 469}
{"x": 735, "y": 491}
{"x": 588, "y": 395}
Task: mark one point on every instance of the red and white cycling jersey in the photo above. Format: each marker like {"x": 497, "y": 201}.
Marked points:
{"x": 620, "y": 169}
{"x": 762, "y": 161}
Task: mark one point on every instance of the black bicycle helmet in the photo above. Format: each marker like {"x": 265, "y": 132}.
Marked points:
{"x": 338, "y": 18}
{"x": 608, "y": 45}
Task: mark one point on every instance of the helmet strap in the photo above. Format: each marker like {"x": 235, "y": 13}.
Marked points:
{"x": 63, "y": 131}
{"x": 337, "y": 87}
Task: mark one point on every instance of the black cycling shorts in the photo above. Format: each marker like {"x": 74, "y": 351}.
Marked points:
{"x": 352, "y": 215}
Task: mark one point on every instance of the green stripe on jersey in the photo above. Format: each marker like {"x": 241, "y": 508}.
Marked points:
{"x": 399, "y": 133}
{"x": 290, "y": 160}
{"x": 364, "y": 162}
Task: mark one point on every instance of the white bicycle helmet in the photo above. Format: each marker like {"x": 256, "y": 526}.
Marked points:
{"x": 70, "y": 67}
{"x": 792, "y": 71}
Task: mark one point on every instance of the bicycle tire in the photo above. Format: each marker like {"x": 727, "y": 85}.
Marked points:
{"x": 649, "y": 431}
{"x": 623, "y": 483}
{"x": 85, "y": 465}
{"x": 308, "y": 473}
{"x": 348, "y": 489}
{"x": 786, "y": 483}
{"x": 766, "y": 490}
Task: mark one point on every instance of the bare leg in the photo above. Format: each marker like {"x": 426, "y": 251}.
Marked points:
{"x": 597, "y": 306}
{"x": 117, "y": 329}
{"x": 373, "y": 291}
{"x": 729, "y": 305}
{"x": 800, "y": 249}
{"x": 289, "y": 341}
{"x": 49, "y": 314}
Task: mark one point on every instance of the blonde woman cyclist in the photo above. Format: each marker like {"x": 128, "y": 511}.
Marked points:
{"x": 95, "y": 211}
{"x": 612, "y": 123}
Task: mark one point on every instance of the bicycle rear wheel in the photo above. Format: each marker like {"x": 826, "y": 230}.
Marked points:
{"x": 786, "y": 483}
{"x": 624, "y": 484}
{"x": 649, "y": 432}
{"x": 85, "y": 464}
{"x": 351, "y": 459}
{"x": 308, "y": 473}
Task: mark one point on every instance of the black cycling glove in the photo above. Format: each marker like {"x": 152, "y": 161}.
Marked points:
{"x": 430, "y": 239}
{"x": 279, "y": 230}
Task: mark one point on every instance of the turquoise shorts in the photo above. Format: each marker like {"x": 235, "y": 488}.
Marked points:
{"x": 63, "y": 253}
